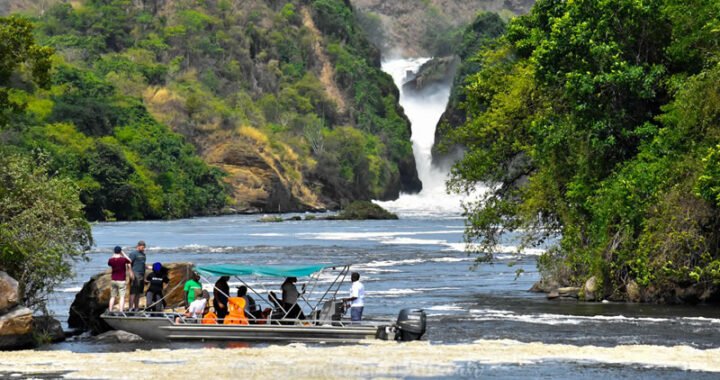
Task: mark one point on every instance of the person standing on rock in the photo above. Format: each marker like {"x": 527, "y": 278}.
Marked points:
{"x": 137, "y": 284}
{"x": 120, "y": 265}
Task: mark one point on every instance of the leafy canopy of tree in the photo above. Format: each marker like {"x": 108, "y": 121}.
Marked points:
{"x": 42, "y": 226}
{"x": 598, "y": 121}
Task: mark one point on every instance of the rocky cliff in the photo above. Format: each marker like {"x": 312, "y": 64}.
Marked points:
{"x": 415, "y": 28}
{"x": 285, "y": 97}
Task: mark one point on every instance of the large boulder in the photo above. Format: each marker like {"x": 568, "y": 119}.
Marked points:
{"x": 10, "y": 293}
{"x": 590, "y": 289}
{"x": 16, "y": 329}
{"x": 633, "y": 291}
{"x": 48, "y": 329}
{"x": 94, "y": 297}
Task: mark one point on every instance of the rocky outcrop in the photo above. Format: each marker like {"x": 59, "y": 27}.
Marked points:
{"x": 16, "y": 321}
{"x": 407, "y": 24}
{"x": 93, "y": 298}
{"x": 439, "y": 70}
{"x": 10, "y": 292}
{"x": 590, "y": 289}
{"x": 633, "y": 291}
{"x": 48, "y": 329}
{"x": 16, "y": 329}
{"x": 363, "y": 210}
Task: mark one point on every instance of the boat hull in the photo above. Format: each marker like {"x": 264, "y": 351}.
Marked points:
{"x": 164, "y": 329}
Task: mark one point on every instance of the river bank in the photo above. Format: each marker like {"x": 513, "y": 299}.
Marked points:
{"x": 371, "y": 359}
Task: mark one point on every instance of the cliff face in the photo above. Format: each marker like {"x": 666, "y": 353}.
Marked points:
{"x": 285, "y": 97}
{"x": 415, "y": 28}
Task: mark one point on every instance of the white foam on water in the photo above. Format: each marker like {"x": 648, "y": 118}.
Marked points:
{"x": 451, "y": 307}
{"x": 424, "y": 112}
{"x": 391, "y": 292}
{"x": 411, "y": 241}
{"x": 388, "y": 263}
{"x": 371, "y": 359}
{"x": 374, "y": 235}
{"x": 451, "y": 259}
{"x": 567, "y": 319}
{"x": 268, "y": 234}
{"x": 70, "y": 290}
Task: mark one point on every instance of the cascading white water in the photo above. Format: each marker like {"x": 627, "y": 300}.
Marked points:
{"x": 424, "y": 113}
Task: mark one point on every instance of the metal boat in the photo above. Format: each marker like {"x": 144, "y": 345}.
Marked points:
{"x": 325, "y": 321}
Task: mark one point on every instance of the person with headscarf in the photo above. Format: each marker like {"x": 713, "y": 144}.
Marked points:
{"x": 221, "y": 293}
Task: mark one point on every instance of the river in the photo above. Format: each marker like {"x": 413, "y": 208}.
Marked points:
{"x": 419, "y": 261}
{"x": 482, "y": 320}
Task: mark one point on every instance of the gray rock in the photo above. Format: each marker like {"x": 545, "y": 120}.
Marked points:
{"x": 118, "y": 336}
{"x": 590, "y": 289}
{"x": 9, "y": 290}
{"x": 553, "y": 295}
{"x": 570, "y": 291}
{"x": 50, "y": 328}
{"x": 633, "y": 291}
{"x": 16, "y": 329}
{"x": 93, "y": 299}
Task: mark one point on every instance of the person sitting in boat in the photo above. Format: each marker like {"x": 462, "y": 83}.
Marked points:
{"x": 250, "y": 305}
{"x": 190, "y": 285}
{"x": 210, "y": 318}
{"x": 290, "y": 297}
{"x": 157, "y": 281}
{"x": 236, "y": 312}
{"x": 357, "y": 298}
{"x": 196, "y": 310}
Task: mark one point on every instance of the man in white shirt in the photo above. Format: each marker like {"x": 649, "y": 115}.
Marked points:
{"x": 196, "y": 310}
{"x": 357, "y": 297}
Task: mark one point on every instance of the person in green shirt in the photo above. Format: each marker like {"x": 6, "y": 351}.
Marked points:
{"x": 190, "y": 285}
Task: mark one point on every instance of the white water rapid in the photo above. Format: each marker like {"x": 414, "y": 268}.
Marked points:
{"x": 424, "y": 112}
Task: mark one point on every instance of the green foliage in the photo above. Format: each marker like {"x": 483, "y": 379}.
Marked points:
{"x": 598, "y": 120}
{"x": 42, "y": 227}
{"x": 364, "y": 210}
{"x": 19, "y": 54}
{"x": 129, "y": 77}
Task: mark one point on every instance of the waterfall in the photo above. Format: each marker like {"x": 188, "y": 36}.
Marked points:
{"x": 424, "y": 112}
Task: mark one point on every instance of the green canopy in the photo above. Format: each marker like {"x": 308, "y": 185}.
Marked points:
{"x": 262, "y": 270}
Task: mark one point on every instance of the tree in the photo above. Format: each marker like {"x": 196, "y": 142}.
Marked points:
{"x": 18, "y": 54}
{"x": 42, "y": 227}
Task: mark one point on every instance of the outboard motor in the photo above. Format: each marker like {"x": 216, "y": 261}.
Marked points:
{"x": 410, "y": 324}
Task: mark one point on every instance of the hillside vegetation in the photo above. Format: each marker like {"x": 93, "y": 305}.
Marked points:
{"x": 599, "y": 121}
{"x": 283, "y": 99}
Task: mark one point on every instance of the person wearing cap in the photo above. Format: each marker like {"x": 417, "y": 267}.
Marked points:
{"x": 157, "y": 280}
{"x": 120, "y": 265}
{"x": 137, "y": 285}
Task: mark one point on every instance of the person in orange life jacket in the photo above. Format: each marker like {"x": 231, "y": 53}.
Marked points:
{"x": 236, "y": 312}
